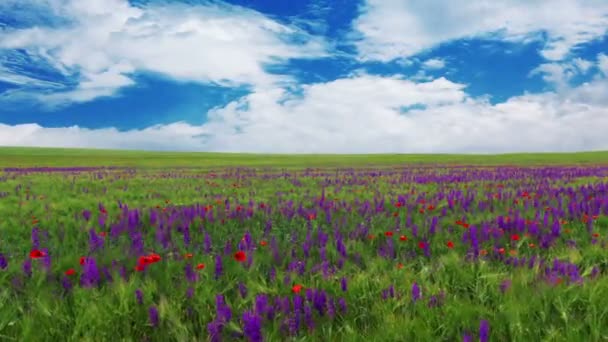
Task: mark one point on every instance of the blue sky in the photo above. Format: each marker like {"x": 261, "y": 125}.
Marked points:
{"x": 315, "y": 76}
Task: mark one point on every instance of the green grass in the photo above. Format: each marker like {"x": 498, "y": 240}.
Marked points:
{"x": 32, "y": 157}
{"x": 37, "y": 309}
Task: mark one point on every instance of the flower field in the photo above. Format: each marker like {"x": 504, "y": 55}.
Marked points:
{"x": 411, "y": 253}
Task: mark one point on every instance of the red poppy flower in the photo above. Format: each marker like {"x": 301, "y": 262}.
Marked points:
{"x": 102, "y": 234}
{"x": 70, "y": 271}
{"x": 200, "y": 266}
{"x": 154, "y": 257}
{"x": 83, "y": 260}
{"x": 430, "y": 207}
{"x": 188, "y": 256}
{"x": 399, "y": 266}
{"x": 140, "y": 267}
{"x": 263, "y": 243}
{"x": 398, "y": 204}
{"x": 596, "y": 235}
{"x": 312, "y": 216}
{"x": 501, "y": 250}
{"x": 421, "y": 244}
{"x": 35, "y": 254}
{"x": 296, "y": 288}
{"x": 371, "y": 236}
{"x": 388, "y": 234}
{"x": 531, "y": 245}
{"x": 403, "y": 238}
{"x": 395, "y": 214}
{"x": 450, "y": 244}
{"x": 515, "y": 237}
{"x": 240, "y": 256}
{"x": 466, "y": 225}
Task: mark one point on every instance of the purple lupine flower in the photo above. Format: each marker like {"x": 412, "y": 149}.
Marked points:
{"x": 153, "y": 315}
{"x": 66, "y": 283}
{"x": 86, "y": 214}
{"x": 466, "y": 337}
{"x": 190, "y": 292}
{"x": 342, "y": 305}
{"x": 344, "y": 284}
{"x": 415, "y": 292}
{"x": 505, "y": 285}
{"x": 191, "y": 276}
{"x": 252, "y": 326}
{"x": 308, "y": 317}
{"x": 261, "y": 304}
{"x": 90, "y": 274}
{"x": 3, "y": 262}
{"x": 243, "y": 290}
{"x": 484, "y": 331}
{"x": 27, "y": 268}
{"x": 218, "y": 266}
{"x": 215, "y": 330}
{"x": 139, "y": 296}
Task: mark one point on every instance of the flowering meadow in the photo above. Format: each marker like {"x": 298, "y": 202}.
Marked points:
{"x": 411, "y": 253}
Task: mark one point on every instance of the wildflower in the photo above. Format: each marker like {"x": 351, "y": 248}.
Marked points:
{"x": 36, "y": 254}
{"x": 421, "y": 245}
{"x": 263, "y": 243}
{"x": 70, "y": 271}
{"x": 82, "y": 260}
{"x": 240, "y": 256}
{"x": 188, "y": 256}
{"x": 484, "y": 331}
{"x": 139, "y": 296}
{"x": 153, "y": 315}
{"x": 450, "y": 244}
{"x": 252, "y": 326}
{"x": 399, "y": 266}
{"x": 415, "y": 292}
{"x": 200, "y": 266}
{"x": 388, "y": 234}
{"x": 515, "y": 237}
{"x": 403, "y": 238}
{"x": 296, "y": 288}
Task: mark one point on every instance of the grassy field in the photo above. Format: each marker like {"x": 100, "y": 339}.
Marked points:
{"x": 33, "y": 157}
{"x": 414, "y": 253}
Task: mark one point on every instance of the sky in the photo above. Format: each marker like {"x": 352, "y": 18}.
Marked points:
{"x": 305, "y": 76}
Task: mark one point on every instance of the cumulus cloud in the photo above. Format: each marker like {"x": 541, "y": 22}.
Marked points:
{"x": 389, "y": 29}
{"x": 364, "y": 114}
{"x": 434, "y": 63}
{"x": 107, "y": 40}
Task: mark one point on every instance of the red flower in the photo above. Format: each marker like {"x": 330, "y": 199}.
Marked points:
{"x": 398, "y": 204}
{"x": 421, "y": 244}
{"x": 240, "y": 256}
{"x": 263, "y": 243}
{"x": 312, "y": 216}
{"x": 70, "y": 271}
{"x": 388, "y": 234}
{"x": 395, "y": 214}
{"x": 596, "y": 235}
{"x": 399, "y": 266}
{"x": 466, "y": 225}
{"x": 35, "y": 254}
{"x": 188, "y": 255}
{"x": 371, "y": 236}
{"x": 501, "y": 250}
{"x": 421, "y": 211}
{"x": 83, "y": 260}
{"x": 430, "y": 207}
{"x": 403, "y": 238}
{"x": 200, "y": 266}
{"x": 450, "y": 244}
{"x": 296, "y": 288}
{"x": 154, "y": 257}
{"x": 102, "y": 234}
{"x": 140, "y": 267}
{"x": 515, "y": 237}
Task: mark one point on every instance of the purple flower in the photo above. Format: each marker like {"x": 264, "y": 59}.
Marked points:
{"x": 252, "y": 326}
{"x": 344, "y": 284}
{"x": 218, "y": 266}
{"x": 505, "y": 285}
{"x": 3, "y": 262}
{"x": 484, "y": 331}
{"x": 416, "y": 292}
{"x": 153, "y": 315}
{"x": 139, "y": 296}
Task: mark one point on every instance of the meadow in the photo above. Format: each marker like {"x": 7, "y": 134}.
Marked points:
{"x": 147, "y": 246}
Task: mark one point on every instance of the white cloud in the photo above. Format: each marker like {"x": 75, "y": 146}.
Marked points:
{"x": 602, "y": 63}
{"x": 559, "y": 74}
{"x": 434, "y": 63}
{"x": 389, "y": 29}
{"x": 207, "y": 43}
{"x": 362, "y": 114}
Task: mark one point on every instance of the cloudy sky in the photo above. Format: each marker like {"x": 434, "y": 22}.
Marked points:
{"x": 342, "y": 76}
